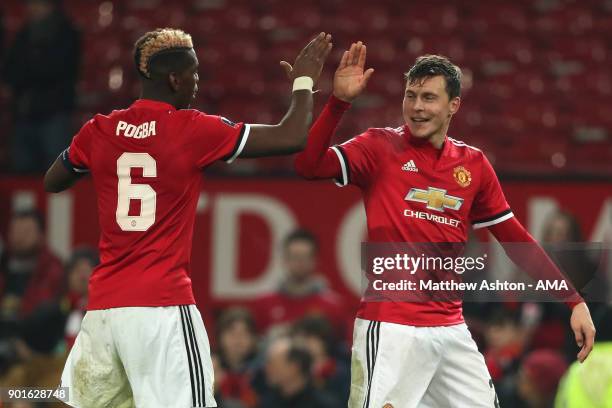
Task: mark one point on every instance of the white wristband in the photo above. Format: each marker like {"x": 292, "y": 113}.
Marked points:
{"x": 303, "y": 82}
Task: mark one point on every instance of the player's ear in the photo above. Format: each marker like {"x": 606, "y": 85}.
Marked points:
{"x": 454, "y": 105}
{"x": 174, "y": 81}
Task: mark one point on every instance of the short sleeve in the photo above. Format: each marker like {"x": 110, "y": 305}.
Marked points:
{"x": 490, "y": 206}
{"x": 76, "y": 158}
{"x": 358, "y": 160}
{"x": 218, "y": 138}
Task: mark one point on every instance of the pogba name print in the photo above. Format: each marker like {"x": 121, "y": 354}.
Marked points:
{"x": 136, "y": 131}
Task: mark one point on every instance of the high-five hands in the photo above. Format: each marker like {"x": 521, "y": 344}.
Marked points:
{"x": 310, "y": 60}
{"x": 350, "y": 79}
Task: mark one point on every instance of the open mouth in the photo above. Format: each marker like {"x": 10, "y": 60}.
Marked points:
{"x": 419, "y": 120}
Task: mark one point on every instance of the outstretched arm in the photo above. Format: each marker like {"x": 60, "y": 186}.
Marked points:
{"x": 289, "y": 135}
{"x": 318, "y": 161}
{"x": 537, "y": 263}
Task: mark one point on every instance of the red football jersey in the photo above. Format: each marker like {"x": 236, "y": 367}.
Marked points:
{"x": 413, "y": 192}
{"x": 146, "y": 163}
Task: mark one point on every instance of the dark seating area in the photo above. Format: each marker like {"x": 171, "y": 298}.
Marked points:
{"x": 537, "y": 74}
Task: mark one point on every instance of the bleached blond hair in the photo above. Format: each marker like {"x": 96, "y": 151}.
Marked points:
{"x": 158, "y": 41}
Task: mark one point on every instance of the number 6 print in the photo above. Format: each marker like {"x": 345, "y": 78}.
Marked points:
{"x": 128, "y": 191}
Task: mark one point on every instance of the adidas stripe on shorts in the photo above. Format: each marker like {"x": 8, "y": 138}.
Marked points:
{"x": 153, "y": 357}
{"x": 400, "y": 366}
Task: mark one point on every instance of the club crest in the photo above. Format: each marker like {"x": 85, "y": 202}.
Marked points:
{"x": 463, "y": 177}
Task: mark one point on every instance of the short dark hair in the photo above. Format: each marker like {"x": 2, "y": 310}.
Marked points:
{"x": 316, "y": 326}
{"x": 33, "y": 214}
{"x": 301, "y": 235}
{"x": 501, "y": 315}
{"x": 299, "y": 355}
{"x": 234, "y": 315}
{"x": 427, "y": 66}
{"x": 83, "y": 253}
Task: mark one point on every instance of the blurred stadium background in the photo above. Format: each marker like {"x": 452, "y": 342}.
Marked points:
{"x": 536, "y": 99}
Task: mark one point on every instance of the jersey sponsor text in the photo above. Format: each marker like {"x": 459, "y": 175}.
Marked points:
{"x": 431, "y": 217}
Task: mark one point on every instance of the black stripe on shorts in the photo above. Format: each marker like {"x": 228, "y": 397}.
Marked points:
{"x": 196, "y": 373}
{"x": 372, "y": 340}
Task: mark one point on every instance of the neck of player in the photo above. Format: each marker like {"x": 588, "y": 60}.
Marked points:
{"x": 437, "y": 139}
{"x": 155, "y": 94}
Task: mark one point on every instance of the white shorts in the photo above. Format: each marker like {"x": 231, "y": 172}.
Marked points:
{"x": 399, "y": 366}
{"x": 153, "y": 357}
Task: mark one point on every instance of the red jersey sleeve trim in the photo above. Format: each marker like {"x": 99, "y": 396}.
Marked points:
{"x": 496, "y": 219}
{"x": 240, "y": 143}
{"x": 345, "y": 180}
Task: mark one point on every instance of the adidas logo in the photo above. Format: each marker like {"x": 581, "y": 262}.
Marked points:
{"x": 410, "y": 166}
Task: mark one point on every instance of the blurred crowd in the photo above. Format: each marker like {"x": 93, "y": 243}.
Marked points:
{"x": 291, "y": 347}
{"x": 42, "y": 302}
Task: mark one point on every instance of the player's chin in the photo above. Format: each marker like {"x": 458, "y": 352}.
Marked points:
{"x": 422, "y": 132}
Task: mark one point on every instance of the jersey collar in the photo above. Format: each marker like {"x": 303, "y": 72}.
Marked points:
{"x": 151, "y": 104}
{"x": 425, "y": 145}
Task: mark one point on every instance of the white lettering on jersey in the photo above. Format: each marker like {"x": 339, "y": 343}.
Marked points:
{"x": 137, "y": 132}
{"x": 431, "y": 217}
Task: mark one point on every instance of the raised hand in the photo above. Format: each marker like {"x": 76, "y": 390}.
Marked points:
{"x": 350, "y": 79}
{"x": 311, "y": 59}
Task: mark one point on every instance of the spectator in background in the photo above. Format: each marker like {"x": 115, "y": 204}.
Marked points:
{"x": 78, "y": 270}
{"x": 29, "y": 273}
{"x": 563, "y": 240}
{"x": 561, "y": 233}
{"x": 288, "y": 372}
{"x": 234, "y": 359}
{"x": 41, "y": 69}
{"x": 548, "y": 327}
{"x": 507, "y": 356}
{"x": 560, "y": 227}
{"x": 302, "y": 292}
{"x": 538, "y": 377}
{"x": 330, "y": 367}
{"x": 31, "y": 319}
{"x": 505, "y": 342}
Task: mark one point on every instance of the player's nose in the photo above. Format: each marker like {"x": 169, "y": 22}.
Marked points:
{"x": 418, "y": 104}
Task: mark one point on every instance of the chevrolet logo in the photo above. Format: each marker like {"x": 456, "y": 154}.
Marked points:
{"x": 435, "y": 198}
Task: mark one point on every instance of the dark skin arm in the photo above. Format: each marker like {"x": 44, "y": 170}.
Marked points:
{"x": 289, "y": 135}
{"x": 58, "y": 178}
